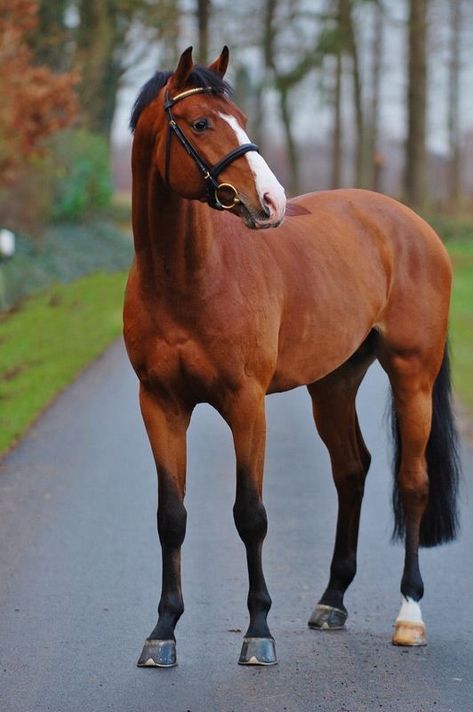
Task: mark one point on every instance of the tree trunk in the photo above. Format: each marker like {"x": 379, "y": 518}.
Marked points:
{"x": 415, "y": 161}
{"x": 336, "y": 167}
{"x": 293, "y": 157}
{"x": 283, "y": 87}
{"x": 453, "y": 103}
{"x": 169, "y": 32}
{"x": 203, "y": 15}
{"x": 50, "y": 39}
{"x": 375, "y": 157}
{"x": 99, "y": 39}
{"x": 258, "y": 122}
{"x": 349, "y": 43}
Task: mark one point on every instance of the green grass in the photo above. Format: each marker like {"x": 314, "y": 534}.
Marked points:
{"x": 456, "y": 230}
{"x": 461, "y": 319}
{"x": 457, "y": 233}
{"x": 48, "y": 339}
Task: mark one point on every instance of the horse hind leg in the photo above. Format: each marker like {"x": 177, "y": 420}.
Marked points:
{"x": 413, "y": 408}
{"x": 426, "y": 473}
{"x": 333, "y": 402}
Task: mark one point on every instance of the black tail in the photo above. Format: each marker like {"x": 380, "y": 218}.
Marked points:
{"x": 440, "y": 521}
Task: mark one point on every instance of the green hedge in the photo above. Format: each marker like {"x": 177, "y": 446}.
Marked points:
{"x": 65, "y": 253}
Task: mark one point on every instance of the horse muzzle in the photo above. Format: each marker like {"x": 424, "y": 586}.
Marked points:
{"x": 262, "y": 218}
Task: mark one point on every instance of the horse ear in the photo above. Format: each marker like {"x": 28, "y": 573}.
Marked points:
{"x": 221, "y": 63}
{"x": 183, "y": 69}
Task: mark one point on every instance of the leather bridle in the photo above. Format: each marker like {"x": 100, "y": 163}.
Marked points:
{"x": 209, "y": 173}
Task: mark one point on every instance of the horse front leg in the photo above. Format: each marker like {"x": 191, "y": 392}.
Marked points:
{"x": 166, "y": 424}
{"x": 246, "y": 417}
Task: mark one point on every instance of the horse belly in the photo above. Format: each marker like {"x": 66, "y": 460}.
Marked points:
{"x": 315, "y": 343}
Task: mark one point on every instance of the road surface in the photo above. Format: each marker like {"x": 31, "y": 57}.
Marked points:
{"x": 80, "y": 570}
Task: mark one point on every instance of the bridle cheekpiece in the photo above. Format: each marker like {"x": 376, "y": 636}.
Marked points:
{"x": 209, "y": 173}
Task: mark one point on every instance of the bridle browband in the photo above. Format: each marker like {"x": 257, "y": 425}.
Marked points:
{"x": 209, "y": 173}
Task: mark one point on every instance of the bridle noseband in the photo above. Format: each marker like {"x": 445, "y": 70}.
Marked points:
{"x": 210, "y": 173}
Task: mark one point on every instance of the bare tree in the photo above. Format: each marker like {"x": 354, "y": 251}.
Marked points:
{"x": 203, "y": 18}
{"x": 336, "y": 160}
{"x": 415, "y": 158}
{"x": 350, "y": 47}
{"x": 285, "y": 80}
{"x": 111, "y": 38}
{"x": 51, "y": 40}
{"x": 375, "y": 159}
{"x": 456, "y": 12}
{"x": 338, "y": 37}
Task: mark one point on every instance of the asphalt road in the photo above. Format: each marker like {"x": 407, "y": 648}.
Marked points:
{"x": 80, "y": 570}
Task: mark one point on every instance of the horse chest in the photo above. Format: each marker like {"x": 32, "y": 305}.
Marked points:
{"x": 175, "y": 363}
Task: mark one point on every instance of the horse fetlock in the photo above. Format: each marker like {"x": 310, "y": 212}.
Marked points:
{"x": 171, "y": 604}
{"x": 412, "y": 586}
{"x": 342, "y": 573}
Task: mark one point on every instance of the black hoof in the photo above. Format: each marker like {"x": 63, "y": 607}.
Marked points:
{"x": 158, "y": 653}
{"x": 258, "y": 651}
{"x": 327, "y": 618}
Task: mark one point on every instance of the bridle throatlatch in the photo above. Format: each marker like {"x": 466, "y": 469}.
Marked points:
{"x": 209, "y": 173}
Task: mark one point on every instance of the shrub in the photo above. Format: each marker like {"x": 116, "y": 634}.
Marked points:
{"x": 83, "y": 182}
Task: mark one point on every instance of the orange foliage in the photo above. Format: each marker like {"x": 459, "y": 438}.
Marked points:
{"x": 35, "y": 101}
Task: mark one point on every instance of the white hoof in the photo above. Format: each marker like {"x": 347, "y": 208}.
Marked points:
{"x": 409, "y": 628}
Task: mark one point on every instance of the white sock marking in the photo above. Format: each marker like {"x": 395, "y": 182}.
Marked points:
{"x": 265, "y": 180}
{"x": 410, "y": 611}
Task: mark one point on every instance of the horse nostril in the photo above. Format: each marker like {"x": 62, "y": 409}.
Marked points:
{"x": 268, "y": 205}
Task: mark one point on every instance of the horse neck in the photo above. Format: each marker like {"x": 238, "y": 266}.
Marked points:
{"x": 173, "y": 236}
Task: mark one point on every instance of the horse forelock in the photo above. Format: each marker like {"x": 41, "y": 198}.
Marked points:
{"x": 201, "y": 77}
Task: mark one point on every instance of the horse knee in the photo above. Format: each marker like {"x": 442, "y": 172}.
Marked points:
{"x": 172, "y": 519}
{"x": 350, "y": 478}
{"x": 250, "y": 518}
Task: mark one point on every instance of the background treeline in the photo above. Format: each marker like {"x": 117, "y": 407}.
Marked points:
{"x": 370, "y": 93}
{"x": 313, "y": 75}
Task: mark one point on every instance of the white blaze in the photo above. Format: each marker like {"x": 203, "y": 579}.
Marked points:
{"x": 265, "y": 180}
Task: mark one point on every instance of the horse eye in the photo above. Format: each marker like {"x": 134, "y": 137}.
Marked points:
{"x": 201, "y": 124}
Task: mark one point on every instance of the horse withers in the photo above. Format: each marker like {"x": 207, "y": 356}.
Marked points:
{"x": 228, "y": 300}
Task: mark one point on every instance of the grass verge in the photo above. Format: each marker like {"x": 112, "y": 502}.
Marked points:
{"x": 461, "y": 319}
{"x": 48, "y": 339}
{"x": 456, "y": 230}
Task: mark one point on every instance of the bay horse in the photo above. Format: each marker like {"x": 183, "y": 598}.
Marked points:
{"x": 259, "y": 295}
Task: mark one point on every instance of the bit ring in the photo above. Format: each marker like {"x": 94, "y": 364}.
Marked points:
{"x": 235, "y": 199}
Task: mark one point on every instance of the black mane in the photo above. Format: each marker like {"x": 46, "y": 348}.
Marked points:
{"x": 199, "y": 77}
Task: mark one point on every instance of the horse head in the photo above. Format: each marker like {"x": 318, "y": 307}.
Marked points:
{"x": 201, "y": 149}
